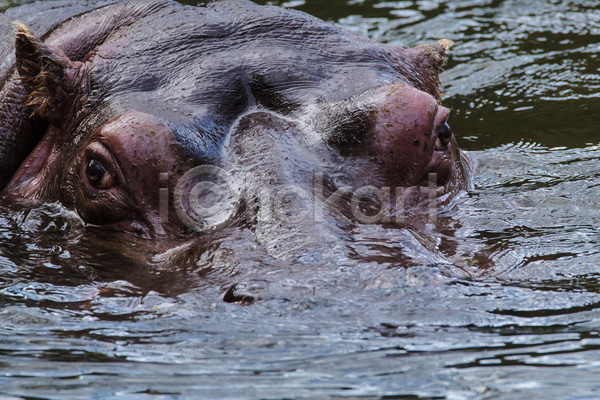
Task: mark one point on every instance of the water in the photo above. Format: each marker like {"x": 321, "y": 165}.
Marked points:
{"x": 499, "y": 300}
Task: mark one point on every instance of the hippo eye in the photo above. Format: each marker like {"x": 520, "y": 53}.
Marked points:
{"x": 97, "y": 175}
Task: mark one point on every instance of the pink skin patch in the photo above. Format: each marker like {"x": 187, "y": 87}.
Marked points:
{"x": 405, "y": 141}
{"x": 128, "y": 154}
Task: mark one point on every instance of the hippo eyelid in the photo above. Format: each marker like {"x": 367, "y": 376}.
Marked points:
{"x": 97, "y": 175}
{"x": 99, "y": 150}
{"x": 432, "y": 120}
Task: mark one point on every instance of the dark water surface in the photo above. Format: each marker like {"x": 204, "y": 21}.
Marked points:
{"x": 497, "y": 300}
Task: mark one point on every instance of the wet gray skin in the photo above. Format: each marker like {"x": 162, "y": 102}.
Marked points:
{"x": 179, "y": 125}
{"x": 495, "y": 299}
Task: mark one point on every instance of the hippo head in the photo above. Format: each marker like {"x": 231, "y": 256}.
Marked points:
{"x": 135, "y": 108}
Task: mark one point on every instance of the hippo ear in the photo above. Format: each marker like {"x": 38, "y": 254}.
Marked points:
{"x": 47, "y": 74}
{"x": 436, "y": 53}
{"x": 432, "y": 57}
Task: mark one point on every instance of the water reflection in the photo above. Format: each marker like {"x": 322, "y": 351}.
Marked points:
{"x": 503, "y": 303}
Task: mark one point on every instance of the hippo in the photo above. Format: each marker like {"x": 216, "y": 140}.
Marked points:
{"x": 178, "y": 124}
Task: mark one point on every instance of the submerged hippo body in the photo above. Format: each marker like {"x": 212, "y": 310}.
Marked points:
{"x": 175, "y": 122}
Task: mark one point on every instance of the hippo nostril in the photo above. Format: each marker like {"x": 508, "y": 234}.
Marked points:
{"x": 445, "y": 134}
